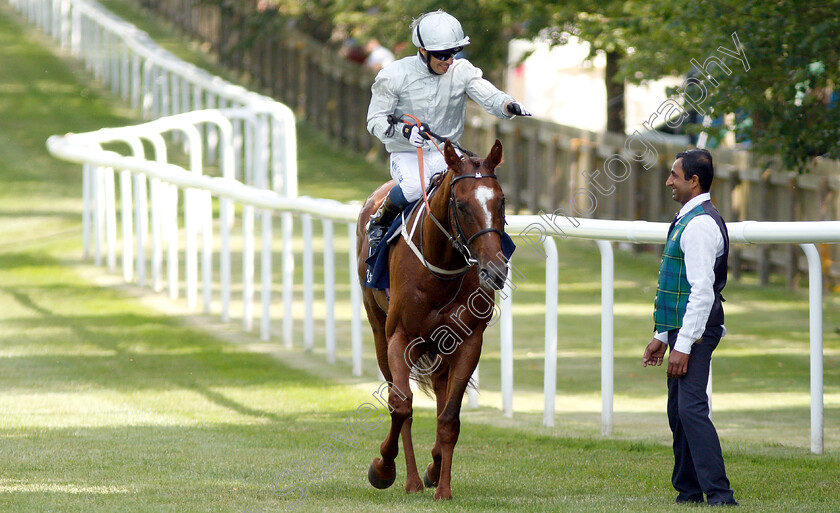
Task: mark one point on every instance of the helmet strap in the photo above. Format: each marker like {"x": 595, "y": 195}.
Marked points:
{"x": 428, "y": 61}
{"x": 428, "y": 58}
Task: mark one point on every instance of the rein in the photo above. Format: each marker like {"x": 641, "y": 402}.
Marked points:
{"x": 393, "y": 120}
{"x": 459, "y": 241}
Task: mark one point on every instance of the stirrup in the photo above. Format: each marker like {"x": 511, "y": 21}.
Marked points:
{"x": 376, "y": 232}
{"x": 380, "y": 222}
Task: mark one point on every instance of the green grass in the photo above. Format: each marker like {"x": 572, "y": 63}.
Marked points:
{"x": 114, "y": 400}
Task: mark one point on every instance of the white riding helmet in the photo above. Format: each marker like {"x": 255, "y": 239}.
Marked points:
{"x": 437, "y": 31}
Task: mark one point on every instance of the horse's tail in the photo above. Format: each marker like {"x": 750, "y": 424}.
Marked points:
{"x": 424, "y": 379}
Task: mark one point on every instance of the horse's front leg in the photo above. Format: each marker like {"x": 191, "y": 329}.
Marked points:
{"x": 383, "y": 471}
{"x": 412, "y": 478}
{"x": 413, "y": 482}
{"x": 449, "y": 420}
{"x": 439, "y": 382}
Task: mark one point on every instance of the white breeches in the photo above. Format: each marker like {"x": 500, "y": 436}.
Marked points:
{"x": 405, "y": 170}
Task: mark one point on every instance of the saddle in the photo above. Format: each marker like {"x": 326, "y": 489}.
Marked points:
{"x": 377, "y": 275}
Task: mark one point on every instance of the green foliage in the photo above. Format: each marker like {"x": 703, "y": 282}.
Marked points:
{"x": 794, "y": 66}
{"x": 792, "y": 48}
{"x": 490, "y": 24}
{"x": 780, "y": 105}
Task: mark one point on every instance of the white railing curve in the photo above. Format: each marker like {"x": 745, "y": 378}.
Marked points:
{"x": 157, "y": 83}
{"x": 160, "y": 84}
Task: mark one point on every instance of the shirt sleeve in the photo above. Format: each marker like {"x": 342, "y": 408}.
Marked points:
{"x": 701, "y": 243}
{"x": 661, "y": 336}
{"x": 383, "y": 103}
{"x": 484, "y": 93}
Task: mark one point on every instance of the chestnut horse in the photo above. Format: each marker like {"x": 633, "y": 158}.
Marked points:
{"x": 438, "y": 309}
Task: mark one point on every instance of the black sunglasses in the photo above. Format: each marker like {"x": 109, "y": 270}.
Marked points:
{"x": 445, "y": 54}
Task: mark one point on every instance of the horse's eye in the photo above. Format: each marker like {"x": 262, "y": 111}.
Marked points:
{"x": 461, "y": 206}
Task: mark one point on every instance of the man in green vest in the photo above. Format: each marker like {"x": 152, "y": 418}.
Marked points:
{"x": 688, "y": 318}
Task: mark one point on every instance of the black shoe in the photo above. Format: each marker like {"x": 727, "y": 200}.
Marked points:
{"x": 731, "y": 503}
{"x": 690, "y": 500}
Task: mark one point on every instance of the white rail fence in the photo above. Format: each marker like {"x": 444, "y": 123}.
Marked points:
{"x": 157, "y": 83}
{"x": 156, "y": 218}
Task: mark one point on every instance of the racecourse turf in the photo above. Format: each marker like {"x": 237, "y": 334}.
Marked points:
{"x": 113, "y": 399}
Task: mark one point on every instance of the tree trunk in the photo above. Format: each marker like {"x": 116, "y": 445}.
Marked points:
{"x": 615, "y": 94}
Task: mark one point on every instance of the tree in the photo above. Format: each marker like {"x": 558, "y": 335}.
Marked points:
{"x": 490, "y": 24}
{"x": 597, "y": 23}
{"x": 782, "y": 98}
{"x": 784, "y": 95}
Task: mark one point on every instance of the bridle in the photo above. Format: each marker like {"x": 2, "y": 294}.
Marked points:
{"x": 459, "y": 240}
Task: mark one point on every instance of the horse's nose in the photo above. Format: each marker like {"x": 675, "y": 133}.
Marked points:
{"x": 491, "y": 280}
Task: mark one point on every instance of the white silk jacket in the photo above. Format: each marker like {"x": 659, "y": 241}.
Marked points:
{"x": 407, "y": 86}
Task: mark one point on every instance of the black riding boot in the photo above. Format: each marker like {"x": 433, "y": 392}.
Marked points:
{"x": 380, "y": 221}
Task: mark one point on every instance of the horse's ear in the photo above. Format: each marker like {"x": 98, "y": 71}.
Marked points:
{"x": 452, "y": 158}
{"x": 494, "y": 158}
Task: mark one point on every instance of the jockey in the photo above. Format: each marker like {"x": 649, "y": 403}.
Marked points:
{"x": 433, "y": 87}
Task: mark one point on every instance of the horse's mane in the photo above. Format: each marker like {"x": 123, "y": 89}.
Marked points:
{"x": 438, "y": 179}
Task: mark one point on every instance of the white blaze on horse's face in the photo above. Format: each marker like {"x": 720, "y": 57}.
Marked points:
{"x": 484, "y": 194}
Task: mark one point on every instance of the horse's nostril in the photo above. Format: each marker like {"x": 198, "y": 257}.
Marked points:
{"x": 490, "y": 279}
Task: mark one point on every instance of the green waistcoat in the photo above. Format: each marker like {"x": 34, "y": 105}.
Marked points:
{"x": 673, "y": 289}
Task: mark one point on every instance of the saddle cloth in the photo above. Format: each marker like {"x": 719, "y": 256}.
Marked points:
{"x": 377, "y": 275}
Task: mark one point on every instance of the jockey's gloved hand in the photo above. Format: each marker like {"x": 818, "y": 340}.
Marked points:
{"x": 517, "y": 109}
{"x": 416, "y": 135}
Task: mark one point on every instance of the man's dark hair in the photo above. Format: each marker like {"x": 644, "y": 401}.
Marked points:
{"x": 698, "y": 162}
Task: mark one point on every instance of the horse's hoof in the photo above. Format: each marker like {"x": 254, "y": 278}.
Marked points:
{"x": 426, "y": 481}
{"x": 414, "y": 487}
{"x": 443, "y": 496}
{"x": 378, "y": 482}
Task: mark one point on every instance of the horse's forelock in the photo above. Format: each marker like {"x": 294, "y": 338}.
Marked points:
{"x": 471, "y": 164}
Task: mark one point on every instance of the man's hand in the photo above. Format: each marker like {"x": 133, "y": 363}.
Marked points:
{"x": 516, "y": 109}
{"x": 677, "y": 364}
{"x": 654, "y": 353}
{"x": 416, "y": 135}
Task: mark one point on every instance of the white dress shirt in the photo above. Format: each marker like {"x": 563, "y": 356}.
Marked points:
{"x": 407, "y": 86}
{"x": 701, "y": 243}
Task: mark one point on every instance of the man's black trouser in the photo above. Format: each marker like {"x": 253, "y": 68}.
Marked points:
{"x": 698, "y": 461}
